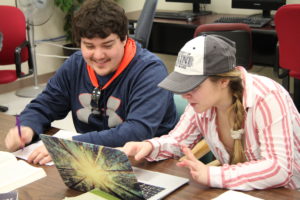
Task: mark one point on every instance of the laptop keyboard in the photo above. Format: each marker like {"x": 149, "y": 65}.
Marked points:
{"x": 149, "y": 190}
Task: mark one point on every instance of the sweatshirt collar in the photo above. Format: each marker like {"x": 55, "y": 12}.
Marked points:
{"x": 129, "y": 53}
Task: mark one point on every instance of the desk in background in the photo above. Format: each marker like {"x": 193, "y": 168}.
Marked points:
{"x": 53, "y": 188}
{"x": 168, "y": 36}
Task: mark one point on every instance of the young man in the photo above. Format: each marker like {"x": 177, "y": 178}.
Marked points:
{"x": 110, "y": 86}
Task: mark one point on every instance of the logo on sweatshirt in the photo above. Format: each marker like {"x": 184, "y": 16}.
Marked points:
{"x": 112, "y": 105}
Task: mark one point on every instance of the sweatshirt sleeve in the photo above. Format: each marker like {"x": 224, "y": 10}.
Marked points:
{"x": 52, "y": 104}
{"x": 148, "y": 107}
{"x": 275, "y": 166}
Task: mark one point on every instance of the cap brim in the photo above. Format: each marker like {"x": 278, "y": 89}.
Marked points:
{"x": 179, "y": 83}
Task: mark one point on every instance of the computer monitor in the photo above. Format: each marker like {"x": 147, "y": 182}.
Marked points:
{"x": 265, "y": 5}
{"x": 196, "y": 4}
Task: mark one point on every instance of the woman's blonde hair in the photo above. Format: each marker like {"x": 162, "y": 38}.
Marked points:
{"x": 236, "y": 110}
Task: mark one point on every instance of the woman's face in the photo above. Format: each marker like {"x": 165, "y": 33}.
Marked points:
{"x": 207, "y": 95}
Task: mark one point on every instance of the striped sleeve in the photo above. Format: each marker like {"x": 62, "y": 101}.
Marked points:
{"x": 273, "y": 124}
{"x": 185, "y": 132}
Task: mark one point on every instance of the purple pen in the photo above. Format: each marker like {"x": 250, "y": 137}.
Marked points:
{"x": 18, "y": 124}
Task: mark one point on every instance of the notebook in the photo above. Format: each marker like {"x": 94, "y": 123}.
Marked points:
{"x": 84, "y": 166}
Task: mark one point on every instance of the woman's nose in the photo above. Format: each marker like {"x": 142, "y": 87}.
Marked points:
{"x": 186, "y": 96}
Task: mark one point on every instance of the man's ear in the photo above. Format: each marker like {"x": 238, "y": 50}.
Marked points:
{"x": 125, "y": 40}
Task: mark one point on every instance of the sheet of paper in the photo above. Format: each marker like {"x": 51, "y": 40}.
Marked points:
{"x": 17, "y": 173}
{"x": 25, "y": 152}
{"x": 234, "y": 195}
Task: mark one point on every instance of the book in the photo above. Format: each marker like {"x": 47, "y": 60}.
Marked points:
{"x": 13, "y": 195}
{"x": 94, "y": 194}
{"x": 26, "y": 151}
{"x": 16, "y": 173}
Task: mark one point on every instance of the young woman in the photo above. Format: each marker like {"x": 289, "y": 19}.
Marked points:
{"x": 250, "y": 122}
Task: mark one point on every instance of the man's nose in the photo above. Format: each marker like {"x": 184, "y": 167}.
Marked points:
{"x": 99, "y": 54}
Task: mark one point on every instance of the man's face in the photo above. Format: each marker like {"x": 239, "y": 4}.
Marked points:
{"x": 103, "y": 54}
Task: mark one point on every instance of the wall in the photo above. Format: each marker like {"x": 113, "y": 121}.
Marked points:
{"x": 54, "y": 27}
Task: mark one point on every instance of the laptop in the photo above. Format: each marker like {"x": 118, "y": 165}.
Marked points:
{"x": 85, "y": 166}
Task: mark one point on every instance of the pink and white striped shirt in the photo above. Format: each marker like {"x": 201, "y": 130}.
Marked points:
{"x": 272, "y": 139}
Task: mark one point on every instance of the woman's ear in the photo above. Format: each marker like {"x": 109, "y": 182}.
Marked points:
{"x": 224, "y": 82}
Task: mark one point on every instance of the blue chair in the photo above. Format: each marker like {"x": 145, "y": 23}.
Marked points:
{"x": 201, "y": 149}
{"x": 180, "y": 104}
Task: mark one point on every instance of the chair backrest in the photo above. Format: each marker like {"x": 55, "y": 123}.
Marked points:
{"x": 15, "y": 49}
{"x": 239, "y": 33}
{"x": 144, "y": 23}
{"x": 13, "y": 28}
{"x": 180, "y": 104}
{"x": 287, "y": 25}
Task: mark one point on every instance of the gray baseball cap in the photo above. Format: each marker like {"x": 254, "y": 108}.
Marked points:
{"x": 199, "y": 58}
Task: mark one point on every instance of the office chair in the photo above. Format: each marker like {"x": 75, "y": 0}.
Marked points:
{"x": 287, "y": 26}
{"x": 239, "y": 33}
{"x": 143, "y": 28}
{"x": 15, "y": 48}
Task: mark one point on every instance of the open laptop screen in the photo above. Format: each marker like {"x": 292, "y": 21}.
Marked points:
{"x": 85, "y": 166}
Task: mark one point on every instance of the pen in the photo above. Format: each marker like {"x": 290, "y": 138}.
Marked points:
{"x": 18, "y": 124}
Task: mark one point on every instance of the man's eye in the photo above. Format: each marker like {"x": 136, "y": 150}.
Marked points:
{"x": 108, "y": 46}
{"x": 89, "y": 47}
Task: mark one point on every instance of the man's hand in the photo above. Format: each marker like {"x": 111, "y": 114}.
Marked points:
{"x": 40, "y": 156}
{"x": 198, "y": 170}
{"x": 13, "y": 141}
{"x": 137, "y": 149}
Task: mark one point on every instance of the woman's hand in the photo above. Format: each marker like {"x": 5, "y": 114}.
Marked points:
{"x": 137, "y": 149}
{"x": 198, "y": 170}
{"x": 40, "y": 156}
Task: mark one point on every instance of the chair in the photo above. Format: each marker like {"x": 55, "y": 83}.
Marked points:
{"x": 201, "y": 150}
{"x": 144, "y": 24}
{"x": 180, "y": 104}
{"x": 287, "y": 25}
{"x": 16, "y": 49}
{"x": 239, "y": 33}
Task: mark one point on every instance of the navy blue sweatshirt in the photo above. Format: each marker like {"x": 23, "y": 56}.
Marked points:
{"x": 133, "y": 107}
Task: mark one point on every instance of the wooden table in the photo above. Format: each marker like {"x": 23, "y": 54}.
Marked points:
{"x": 53, "y": 188}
